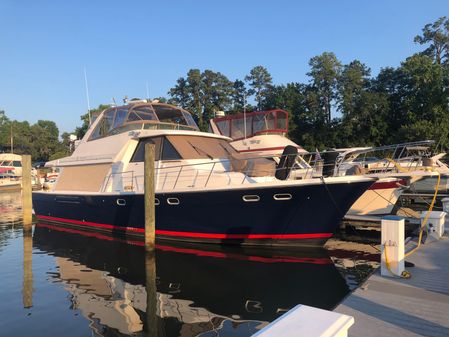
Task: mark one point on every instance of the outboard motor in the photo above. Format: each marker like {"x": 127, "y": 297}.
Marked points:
{"x": 286, "y": 162}
{"x": 329, "y": 162}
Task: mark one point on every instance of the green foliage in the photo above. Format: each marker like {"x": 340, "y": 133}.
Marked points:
{"x": 40, "y": 140}
{"x": 259, "y": 80}
{"x": 324, "y": 71}
{"x": 436, "y": 35}
{"x": 203, "y": 94}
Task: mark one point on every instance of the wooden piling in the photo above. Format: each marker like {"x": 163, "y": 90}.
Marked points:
{"x": 150, "y": 287}
{"x": 27, "y": 203}
{"x": 27, "y": 289}
{"x": 150, "y": 232}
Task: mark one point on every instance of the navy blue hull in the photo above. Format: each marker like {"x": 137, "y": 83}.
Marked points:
{"x": 308, "y": 218}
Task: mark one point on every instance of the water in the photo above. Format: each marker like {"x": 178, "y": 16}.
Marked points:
{"x": 65, "y": 282}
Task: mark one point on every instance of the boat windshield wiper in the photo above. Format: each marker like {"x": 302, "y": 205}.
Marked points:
{"x": 198, "y": 151}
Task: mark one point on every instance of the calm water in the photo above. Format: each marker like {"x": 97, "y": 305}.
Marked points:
{"x": 64, "y": 282}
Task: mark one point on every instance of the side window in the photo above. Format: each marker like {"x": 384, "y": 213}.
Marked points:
{"x": 120, "y": 117}
{"x": 16, "y": 163}
{"x": 169, "y": 152}
{"x": 139, "y": 153}
{"x": 104, "y": 125}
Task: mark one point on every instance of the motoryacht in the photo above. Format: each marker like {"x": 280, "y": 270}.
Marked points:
{"x": 264, "y": 133}
{"x": 11, "y": 173}
{"x": 204, "y": 191}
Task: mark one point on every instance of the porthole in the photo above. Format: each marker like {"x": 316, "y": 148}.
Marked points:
{"x": 156, "y": 201}
{"x": 251, "y": 198}
{"x": 121, "y": 202}
{"x": 173, "y": 201}
{"x": 282, "y": 196}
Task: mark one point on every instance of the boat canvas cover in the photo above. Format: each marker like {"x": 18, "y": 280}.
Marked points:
{"x": 87, "y": 178}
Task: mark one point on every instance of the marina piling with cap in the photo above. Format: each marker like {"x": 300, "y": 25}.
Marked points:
{"x": 150, "y": 232}
{"x": 27, "y": 204}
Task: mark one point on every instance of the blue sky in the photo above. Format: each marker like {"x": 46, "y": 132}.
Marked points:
{"x": 45, "y": 45}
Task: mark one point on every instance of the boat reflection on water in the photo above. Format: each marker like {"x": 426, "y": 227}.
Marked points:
{"x": 200, "y": 289}
{"x": 10, "y": 207}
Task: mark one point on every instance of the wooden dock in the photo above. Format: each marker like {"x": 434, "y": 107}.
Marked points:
{"x": 418, "y": 306}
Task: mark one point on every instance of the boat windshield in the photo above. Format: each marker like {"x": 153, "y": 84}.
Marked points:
{"x": 142, "y": 116}
{"x": 260, "y": 122}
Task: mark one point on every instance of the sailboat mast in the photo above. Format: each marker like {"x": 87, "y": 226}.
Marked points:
{"x": 12, "y": 141}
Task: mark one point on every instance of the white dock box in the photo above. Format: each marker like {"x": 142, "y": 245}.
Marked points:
{"x": 435, "y": 223}
{"x": 303, "y": 320}
{"x": 392, "y": 246}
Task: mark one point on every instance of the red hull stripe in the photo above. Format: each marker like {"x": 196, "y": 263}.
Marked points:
{"x": 275, "y": 259}
{"x": 387, "y": 185}
{"x": 191, "y": 234}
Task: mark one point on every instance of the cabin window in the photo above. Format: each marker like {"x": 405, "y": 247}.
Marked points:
{"x": 168, "y": 114}
{"x": 105, "y": 124}
{"x": 223, "y": 126}
{"x": 281, "y": 118}
{"x": 120, "y": 117}
{"x": 145, "y": 113}
{"x": 16, "y": 163}
{"x": 189, "y": 119}
{"x": 169, "y": 152}
{"x": 139, "y": 153}
{"x": 194, "y": 147}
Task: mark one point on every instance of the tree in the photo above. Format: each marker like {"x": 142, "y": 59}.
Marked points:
{"x": 187, "y": 94}
{"x": 44, "y": 140}
{"x": 216, "y": 93}
{"x": 353, "y": 81}
{"x": 324, "y": 73}
{"x": 437, "y": 35}
{"x": 239, "y": 96}
{"x": 202, "y": 93}
{"x": 259, "y": 79}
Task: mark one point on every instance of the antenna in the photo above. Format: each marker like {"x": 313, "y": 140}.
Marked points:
{"x": 244, "y": 113}
{"x": 148, "y": 92}
{"x": 87, "y": 95}
{"x": 12, "y": 141}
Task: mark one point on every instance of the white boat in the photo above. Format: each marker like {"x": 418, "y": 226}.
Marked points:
{"x": 204, "y": 191}
{"x": 264, "y": 133}
{"x": 11, "y": 163}
{"x": 11, "y": 173}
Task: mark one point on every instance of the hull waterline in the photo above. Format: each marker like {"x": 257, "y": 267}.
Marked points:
{"x": 309, "y": 217}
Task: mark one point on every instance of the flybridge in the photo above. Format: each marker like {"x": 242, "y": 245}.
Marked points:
{"x": 141, "y": 115}
{"x": 251, "y": 124}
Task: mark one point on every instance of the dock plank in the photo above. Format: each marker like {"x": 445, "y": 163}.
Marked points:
{"x": 418, "y": 306}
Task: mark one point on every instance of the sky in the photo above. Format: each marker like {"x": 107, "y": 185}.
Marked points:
{"x": 123, "y": 45}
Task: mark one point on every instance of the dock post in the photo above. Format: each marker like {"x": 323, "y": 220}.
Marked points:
{"x": 392, "y": 246}
{"x": 27, "y": 203}
{"x": 150, "y": 232}
{"x": 27, "y": 289}
{"x": 150, "y": 287}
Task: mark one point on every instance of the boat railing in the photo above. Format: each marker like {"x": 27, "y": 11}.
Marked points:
{"x": 225, "y": 172}
{"x": 222, "y": 172}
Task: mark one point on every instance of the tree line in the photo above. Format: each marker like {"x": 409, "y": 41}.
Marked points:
{"x": 40, "y": 140}
{"x": 341, "y": 105}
